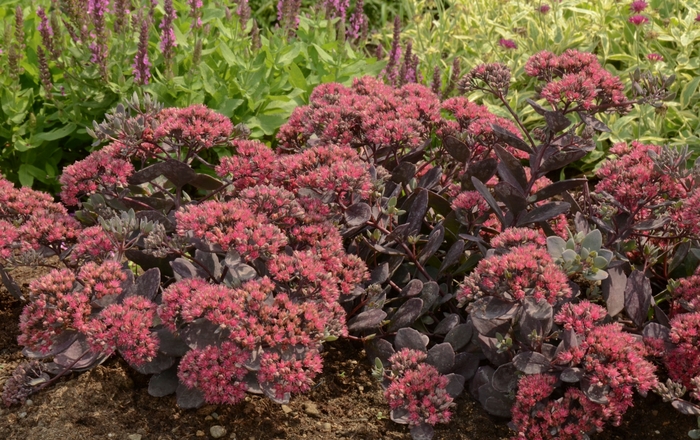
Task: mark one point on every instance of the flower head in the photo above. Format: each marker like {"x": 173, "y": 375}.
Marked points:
{"x": 543, "y": 9}
{"x": 638, "y": 20}
{"x": 638, "y": 6}
{"x": 654, "y": 57}
{"x": 507, "y": 44}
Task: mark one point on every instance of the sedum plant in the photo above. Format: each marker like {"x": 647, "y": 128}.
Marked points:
{"x": 239, "y": 271}
{"x": 455, "y": 234}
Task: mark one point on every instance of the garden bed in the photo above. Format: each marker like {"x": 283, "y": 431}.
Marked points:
{"x": 112, "y": 402}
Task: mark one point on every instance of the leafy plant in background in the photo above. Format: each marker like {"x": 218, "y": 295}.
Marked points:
{"x": 77, "y": 62}
{"x": 442, "y": 32}
{"x": 239, "y": 275}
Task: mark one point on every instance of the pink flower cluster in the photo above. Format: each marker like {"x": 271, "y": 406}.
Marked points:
{"x": 513, "y": 237}
{"x": 635, "y": 182}
{"x": 126, "y": 327}
{"x": 526, "y": 270}
{"x": 30, "y": 219}
{"x": 683, "y": 361}
{"x": 476, "y": 120}
{"x": 418, "y": 388}
{"x": 105, "y": 169}
{"x": 287, "y": 376}
{"x": 686, "y": 296}
{"x": 370, "y": 115}
{"x": 610, "y": 359}
{"x": 218, "y": 372}
{"x": 195, "y": 127}
{"x": 576, "y": 80}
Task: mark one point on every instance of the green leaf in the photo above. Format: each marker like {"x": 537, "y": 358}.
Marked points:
{"x": 325, "y": 56}
{"x": 288, "y": 55}
{"x": 296, "y": 77}
{"x": 55, "y": 134}
{"x": 228, "y": 107}
{"x": 229, "y": 57}
{"x": 689, "y": 91}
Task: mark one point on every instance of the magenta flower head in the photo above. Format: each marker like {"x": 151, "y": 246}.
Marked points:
{"x": 507, "y": 44}
{"x": 638, "y": 20}
{"x": 638, "y": 6}
{"x": 543, "y": 9}
{"x": 654, "y": 57}
{"x": 697, "y": 18}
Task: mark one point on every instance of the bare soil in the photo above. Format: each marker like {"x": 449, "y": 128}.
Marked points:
{"x": 112, "y": 402}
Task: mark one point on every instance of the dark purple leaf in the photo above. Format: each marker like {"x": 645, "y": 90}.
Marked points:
{"x": 454, "y": 254}
{"x": 10, "y": 284}
{"x": 382, "y": 349}
{"x": 531, "y": 362}
{"x": 206, "y": 182}
{"x": 455, "y": 385}
{"x": 495, "y": 403}
{"x": 368, "y": 320}
{"x": 538, "y": 108}
{"x": 596, "y": 393}
{"x": 543, "y": 212}
{"x": 486, "y": 194}
{"x": 403, "y": 172}
{"x": 661, "y": 316}
{"x": 179, "y": 173}
{"x": 561, "y": 158}
{"x": 657, "y": 331}
{"x": 435, "y": 239}
{"x": 417, "y": 210}
{"x": 648, "y": 225}
{"x": 460, "y": 335}
{"x": 79, "y": 356}
{"x": 380, "y": 274}
{"x": 614, "y": 287}
{"x": 413, "y": 288}
{"x": 406, "y": 314}
{"x": 442, "y": 357}
{"x": 505, "y": 378}
{"x": 358, "y": 214}
{"x": 147, "y": 261}
{"x": 686, "y": 407}
{"x": 202, "y": 333}
{"x": 448, "y": 323}
{"x": 185, "y": 269}
{"x": 466, "y": 364}
{"x": 638, "y": 297}
{"x": 59, "y": 343}
{"x": 399, "y": 415}
{"x": 171, "y": 345}
{"x": 592, "y": 122}
{"x": 536, "y": 318}
{"x": 456, "y": 148}
{"x": 210, "y": 261}
{"x": 431, "y": 178}
{"x": 556, "y": 121}
{"x": 410, "y": 338}
{"x": 572, "y": 375}
{"x": 429, "y": 294}
{"x": 147, "y": 284}
{"x": 556, "y": 189}
{"x": 581, "y": 223}
{"x": 252, "y": 384}
{"x": 189, "y": 398}
{"x": 482, "y": 377}
{"x": 439, "y": 204}
{"x": 489, "y": 346}
{"x": 422, "y": 432}
{"x": 510, "y": 138}
{"x": 511, "y": 197}
{"x": 399, "y": 233}
{"x": 510, "y": 169}
{"x": 163, "y": 384}
{"x": 157, "y": 365}
{"x": 482, "y": 171}
{"x": 679, "y": 255}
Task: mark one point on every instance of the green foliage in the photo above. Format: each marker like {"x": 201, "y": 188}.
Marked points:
{"x": 218, "y": 64}
{"x": 471, "y": 29}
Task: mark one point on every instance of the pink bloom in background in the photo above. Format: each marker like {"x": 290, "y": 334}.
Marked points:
{"x": 142, "y": 65}
{"x": 195, "y": 13}
{"x": 638, "y": 20}
{"x": 167, "y": 38}
{"x": 697, "y": 18}
{"x": 638, "y": 6}
{"x": 543, "y": 9}
{"x": 654, "y": 57}
{"x": 507, "y": 44}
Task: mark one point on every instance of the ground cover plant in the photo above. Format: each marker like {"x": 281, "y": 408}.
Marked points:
{"x": 441, "y": 234}
{"x": 65, "y": 64}
{"x": 653, "y": 35}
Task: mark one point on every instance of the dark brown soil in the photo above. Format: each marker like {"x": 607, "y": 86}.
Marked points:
{"x": 112, "y": 402}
